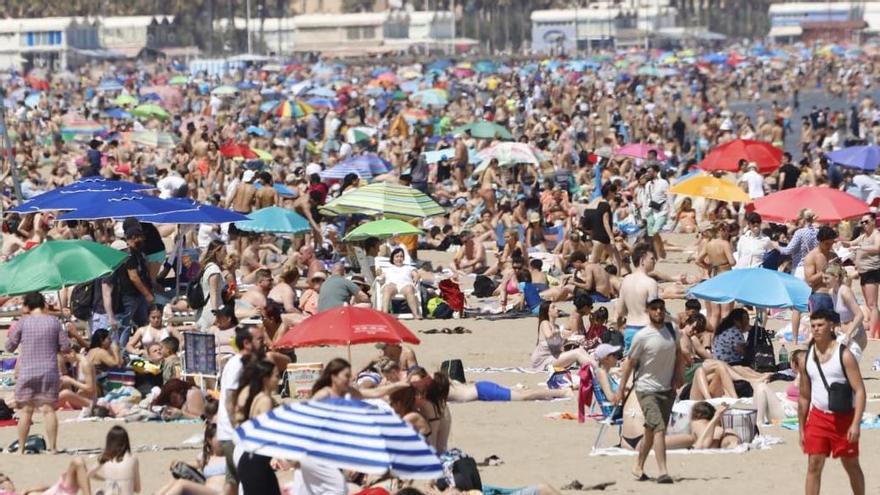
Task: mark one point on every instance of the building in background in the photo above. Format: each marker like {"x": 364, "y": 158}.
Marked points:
{"x": 814, "y": 21}
{"x": 132, "y": 35}
{"x": 52, "y": 43}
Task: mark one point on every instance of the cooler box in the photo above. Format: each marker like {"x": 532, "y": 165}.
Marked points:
{"x": 301, "y": 377}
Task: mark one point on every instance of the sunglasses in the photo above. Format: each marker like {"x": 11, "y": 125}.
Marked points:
{"x": 865, "y": 222}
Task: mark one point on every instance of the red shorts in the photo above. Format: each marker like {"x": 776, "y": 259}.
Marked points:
{"x": 825, "y": 434}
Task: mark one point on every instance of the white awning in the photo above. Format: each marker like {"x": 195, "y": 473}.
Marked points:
{"x": 785, "y": 31}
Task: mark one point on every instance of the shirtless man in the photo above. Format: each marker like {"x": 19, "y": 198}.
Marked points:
{"x": 716, "y": 257}
{"x": 242, "y": 201}
{"x": 636, "y": 290}
{"x": 405, "y": 356}
{"x": 460, "y": 162}
{"x": 471, "y": 257}
{"x": 250, "y": 257}
{"x": 266, "y": 196}
{"x": 305, "y": 261}
{"x": 814, "y": 268}
{"x": 284, "y": 292}
{"x": 256, "y": 296}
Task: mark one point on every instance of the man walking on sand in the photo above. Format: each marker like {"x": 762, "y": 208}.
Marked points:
{"x": 657, "y": 357}
{"x": 636, "y": 290}
{"x": 830, "y": 407}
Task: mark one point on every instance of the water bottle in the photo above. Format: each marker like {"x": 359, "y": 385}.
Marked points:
{"x": 783, "y": 355}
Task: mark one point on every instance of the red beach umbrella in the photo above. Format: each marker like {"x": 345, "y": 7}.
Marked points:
{"x": 233, "y": 150}
{"x": 726, "y": 156}
{"x": 830, "y": 205}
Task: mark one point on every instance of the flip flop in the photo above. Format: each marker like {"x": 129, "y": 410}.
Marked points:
{"x": 643, "y": 477}
{"x": 665, "y": 480}
{"x": 445, "y": 330}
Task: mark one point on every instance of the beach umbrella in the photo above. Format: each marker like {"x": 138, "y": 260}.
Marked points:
{"x": 758, "y": 287}
{"x": 372, "y": 162}
{"x": 321, "y": 103}
{"x": 347, "y": 325}
{"x": 77, "y": 193}
{"x": 79, "y": 125}
{"x": 150, "y": 110}
{"x": 510, "y": 153}
{"x": 463, "y": 72}
{"x": 280, "y": 188}
{"x": 435, "y": 156}
{"x": 178, "y": 80}
{"x": 640, "y": 150}
{"x": 829, "y": 205}
{"x": 108, "y": 85}
{"x": 192, "y": 213}
{"x": 125, "y": 99}
{"x": 382, "y": 229}
{"x": 116, "y": 206}
{"x": 224, "y": 91}
{"x": 33, "y": 99}
{"x": 263, "y": 155}
{"x": 344, "y": 434}
{"x": 340, "y": 170}
{"x": 358, "y": 134}
{"x": 153, "y": 139}
{"x": 430, "y": 97}
{"x": 440, "y": 65}
{"x": 233, "y": 150}
{"x": 388, "y": 199}
{"x": 707, "y": 186}
{"x": 484, "y": 130}
{"x": 860, "y": 157}
{"x": 54, "y": 265}
{"x": 117, "y": 113}
{"x": 247, "y": 85}
{"x": 648, "y": 70}
{"x": 275, "y": 220}
{"x": 486, "y": 67}
{"x": 726, "y": 157}
{"x": 413, "y": 115}
{"x": 257, "y": 131}
{"x": 321, "y": 92}
{"x": 294, "y": 108}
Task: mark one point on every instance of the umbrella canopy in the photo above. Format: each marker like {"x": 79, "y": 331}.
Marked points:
{"x": 347, "y": 325}
{"x": 117, "y": 113}
{"x": 358, "y": 134}
{"x": 116, "y": 205}
{"x": 191, "y": 213}
{"x": 344, "y": 434}
{"x": 150, "y": 110}
{"x": 79, "y": 125}
{"x": 178, "y": 81}
{"x": 54, "y": 265}
{"x": 153, "y": 139}
{"x": 321, "y": 92}
{"x": 640, "y": 150}
{"x": 224, "y": 91}
{"x": 430, "y": 97}
{"x": 485, "y": 130}
{"x": 125, "y": 99}
{"x": 233, "y": 150}
{"x": 726, "y": 157}
{"x": 860, "y": 157}
{"x": 415, "y": 115}
{"x": 755, "y": 286}
{"x": 510, "y": 153}
{"x": 389, "y": 199}
{"x": 829, "y": 205}
{"x": 372, "y": 162}
{"x": 77, "y": 194}
{"x": 110, "y": 85}
{"x": 340, "y": 170}
{"x": 324, "y": 103}
{"x": 382, "y": 229}
{"x": 275, "y": 220}
{"x": 294, "y": 108}
{"x": 707, "y": 186}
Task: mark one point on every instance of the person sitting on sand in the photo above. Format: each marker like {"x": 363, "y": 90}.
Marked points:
{"x": 117, "y": 467}
{"x": 432, "y": 396}
{"x": 551, "y": 338}
{"x": 180, "y": 400}
{"x": 403, "y": 402}
{"x": 212, "y": 465}
{"x": 471, "y": 256}
{"x": 404, "y": 356}
{"x": 73, "y": 480}
{"x": 705, "y": 430}
{"x": 336, "y": 381}
{"x": 149, "y": 333}
{"x": 79, "y": 391}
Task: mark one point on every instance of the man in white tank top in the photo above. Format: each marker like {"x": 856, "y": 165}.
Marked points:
{"x": 824, "y": 432}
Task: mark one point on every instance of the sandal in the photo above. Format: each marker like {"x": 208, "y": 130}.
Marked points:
{"x": 665, "y": 480}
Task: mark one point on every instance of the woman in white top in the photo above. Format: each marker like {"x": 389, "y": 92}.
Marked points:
{"x": 400, "y": 279}
{"x": 851, "y": 332}
{"x": 151, "y": 332}
{"x": 212, "y": 283}
{"x": 117, "y": 468}
{"x": 752, "y": 245}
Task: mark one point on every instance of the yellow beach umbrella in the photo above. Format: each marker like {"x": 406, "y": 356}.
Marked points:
{"x": 706, "y": 186}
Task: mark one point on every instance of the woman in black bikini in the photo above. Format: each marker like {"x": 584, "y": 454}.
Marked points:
{"x": 432, "y": 393}
{"x": 597, "y": 219}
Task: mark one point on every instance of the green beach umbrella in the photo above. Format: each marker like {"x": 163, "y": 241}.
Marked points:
{"x": 382, "y": 229}
{"x": 154, "y": 139}
{"x": 150, "y": 110}
{"x": 178, "y": 81}
{"x": 275, "y": 220}
{"x": 224, "y": 91}
{"x": 485, "y": 130}
{"x": 384, "y": 198}
{"x": 54, "y": 265}
{"x": 125, "y": 99}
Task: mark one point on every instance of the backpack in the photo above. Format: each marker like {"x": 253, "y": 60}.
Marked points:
{"x": 484, "y": 286}
{"x": 195, "y": 293}
{"x": 82, "y": 300}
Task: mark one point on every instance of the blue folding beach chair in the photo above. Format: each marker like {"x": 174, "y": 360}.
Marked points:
{"x": 608, "y": 416}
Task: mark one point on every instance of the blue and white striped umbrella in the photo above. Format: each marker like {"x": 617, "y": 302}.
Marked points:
{"x": 340, "y": 170}
{"x": 346, "y": 434}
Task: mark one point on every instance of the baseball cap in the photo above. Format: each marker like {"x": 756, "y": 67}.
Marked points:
{"x": 604, "y": 350}
{"x": 248, "y": 175}
{"x": 228, "y": 310}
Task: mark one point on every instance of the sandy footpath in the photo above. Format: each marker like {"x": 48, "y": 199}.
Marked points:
{"x": 534, "y": 449}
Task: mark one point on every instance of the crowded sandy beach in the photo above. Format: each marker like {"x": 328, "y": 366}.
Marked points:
{"x": 462, "y": 275}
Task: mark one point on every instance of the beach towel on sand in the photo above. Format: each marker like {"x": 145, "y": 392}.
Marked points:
{"x": 761, "y": 442}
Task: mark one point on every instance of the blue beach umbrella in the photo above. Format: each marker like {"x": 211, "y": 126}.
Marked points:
{"x": 374, "y": 163}
{"x": 758, "y": 287}
{"x": 860, "y": 157}
{"x": 191, "y": 213}
{"x": 340, "y": 170}
{"x": 119, "y": 205}
{"x": 322, "y": 92}
{"x": 342, "y": 433}
{"x": 110, "y": 85}
{"x": 280, "y": 188}
{"x": 117, "y": 113}
{"x": 80, "y": 192}
{"x": 275, "y": 220}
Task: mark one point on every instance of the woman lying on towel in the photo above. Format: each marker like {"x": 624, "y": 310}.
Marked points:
{"x": 486, "y": 391}
{"x": 704, "y": 431}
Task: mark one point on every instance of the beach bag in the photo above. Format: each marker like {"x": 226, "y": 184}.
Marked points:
{"x": 466, "y": 475}
{"x": 840, "y": 395}
{"x": 438, "y": 309}
{"x": 484, "y": 286}
{"x": 183, "y": 471}
{"x": 759, "y": 353}
{"x": 452, "y": 294}
{"x": 454, "y": 369}
{"x": 195, "y": 293}
{"x": 34, "y": 444}
{"x": 82, "y": 299}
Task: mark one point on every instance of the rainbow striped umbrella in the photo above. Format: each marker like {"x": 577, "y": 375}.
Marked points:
{"x": 384, "y": 198}
{"x": 415, "y": 115}
{"x": 293, "y": 108}
{"x": 80, "y": 125}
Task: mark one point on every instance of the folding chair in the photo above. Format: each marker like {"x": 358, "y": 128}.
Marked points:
{"x": 200, "y": 358}
{"x": 553, "y": 236}
{"x": 379, "y": 284}
{"x": 607, "y": 409}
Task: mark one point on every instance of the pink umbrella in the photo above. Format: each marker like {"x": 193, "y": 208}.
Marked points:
{"x": 640, "y": 150}
{"x": 171, "y": 96}
{"x": 462, "y": 72}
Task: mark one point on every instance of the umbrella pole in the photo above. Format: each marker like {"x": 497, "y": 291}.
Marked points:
{"x": 349, "y": 353}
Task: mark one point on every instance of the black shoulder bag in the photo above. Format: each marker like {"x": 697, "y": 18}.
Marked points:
{"x": 840, "y": 395}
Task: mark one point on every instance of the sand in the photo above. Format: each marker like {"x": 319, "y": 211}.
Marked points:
{"x": 534, "y": 449}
